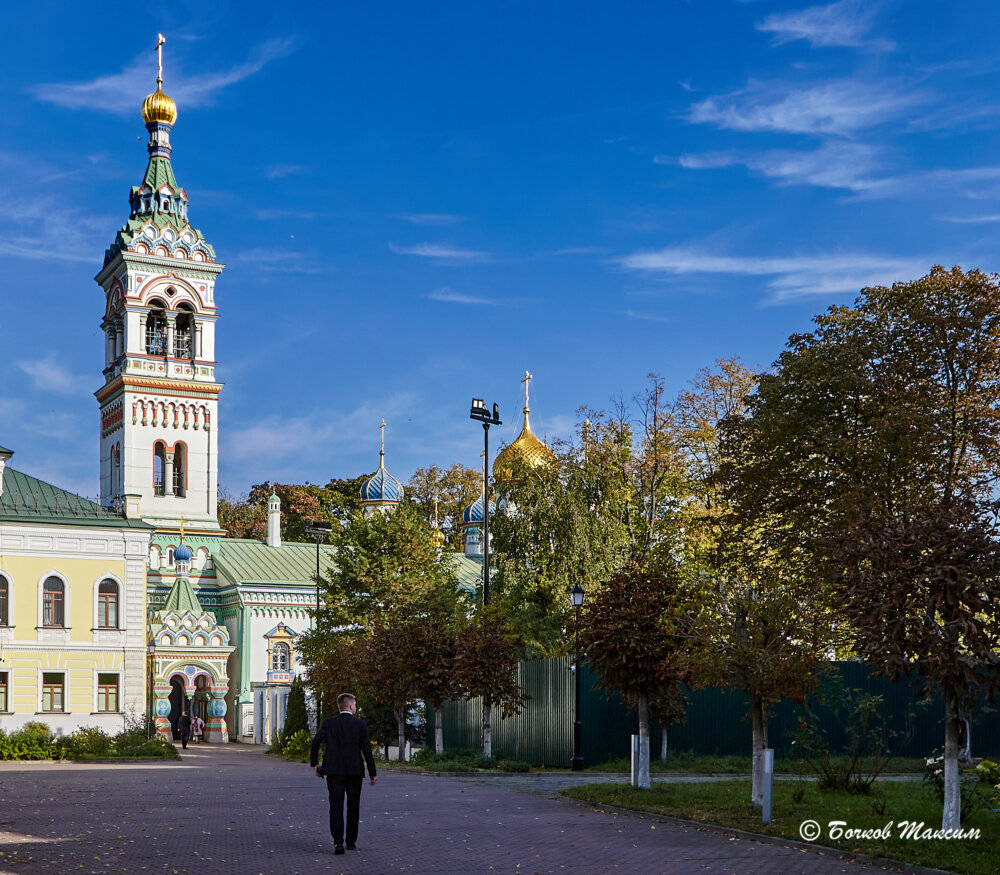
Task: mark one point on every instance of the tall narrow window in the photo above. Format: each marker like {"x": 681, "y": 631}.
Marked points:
{"x": 107, "y": 605}
{"x": 107, "y": 692}
{"x": 53, "y": 602}
{"x": 156, "y": 329}
{"x": 280, "y": 657}
{"x": 53, "y": 688}
{"x": 4, "y": 603}
{"x": 116, "y": 472}
{"x": 184, "y": 334}
{"x": 4, "y": 697}
{"x": 159, "y": 469}
{"x": 180, "y": 469}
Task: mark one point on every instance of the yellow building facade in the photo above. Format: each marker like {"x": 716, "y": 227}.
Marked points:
{"x": 73, "y": 638}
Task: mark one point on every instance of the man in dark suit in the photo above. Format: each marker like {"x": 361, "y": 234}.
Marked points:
{"x": 347, "y": 750}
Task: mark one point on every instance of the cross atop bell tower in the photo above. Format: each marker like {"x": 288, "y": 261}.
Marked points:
{"x": 159, "y": 401}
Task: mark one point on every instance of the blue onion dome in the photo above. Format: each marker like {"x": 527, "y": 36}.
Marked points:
{"x": 182, "y": 553}
{"x": 381, "y": 487}
{"x": 473, "y": 514}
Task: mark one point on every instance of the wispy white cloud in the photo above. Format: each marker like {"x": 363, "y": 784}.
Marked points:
{"x": 44, "y": 228}
{"x": 836, "y": 107}
{"x": 447, "y": 295}
{"x": 280, "y": 171}
{"x": 281, "y": 260}
{"x": 266, "y": 443}
{"x": 837, "y": 164}
{"x": 441, "y": 252}
{"x": 119, "y": 92}
{"x": 792, "y": 277}
{"x": 47, "y": 375}
{"x": 432, "y": 218}
{"x": 855, "y": 167}
{"x": 844, "y": 23}
{"x": 647, "y": 317}
{"x": 971, "y": 220}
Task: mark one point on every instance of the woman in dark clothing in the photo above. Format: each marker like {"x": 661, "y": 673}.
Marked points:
{"x": 184, "y": 728}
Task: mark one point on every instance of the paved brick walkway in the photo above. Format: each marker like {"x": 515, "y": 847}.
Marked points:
{"x": 235, "y": 810}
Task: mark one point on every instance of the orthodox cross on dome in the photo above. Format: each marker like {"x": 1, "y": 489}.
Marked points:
{"x": 160, "y": 40}
{"x": 381, "y": 452}
{"x": 526, "y": 379}
{"x": 182, "y": 521}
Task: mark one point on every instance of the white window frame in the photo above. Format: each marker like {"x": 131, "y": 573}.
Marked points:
{"x": 97, "y": 675}
{"x": 10, "y": 599}
{"x": 65, "y": 687}
{"x": 108, "y": 575}
{"x": 66, "y": 601}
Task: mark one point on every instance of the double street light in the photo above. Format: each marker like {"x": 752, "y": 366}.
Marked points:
{"x": 481, "y": 413}
{"x": 576, "y": 599}
{"x": 321, "y": 530}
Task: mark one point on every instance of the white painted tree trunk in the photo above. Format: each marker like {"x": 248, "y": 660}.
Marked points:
{"x": 759, "y": 725}
{"x": 487, "y": 729}
{"x": 438, "y": 731}
{"x": 643, "y": 743}
{"x": 663, "y": 744}
{"x": 951, "y": 816}
{"x": 401, "y": 727}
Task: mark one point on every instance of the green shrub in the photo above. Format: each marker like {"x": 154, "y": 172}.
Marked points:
{"x": 513, "y": 766}
{"x": 88, "y": 741}
{"x": 297, "y": 746}
{"x": 129, "y": 741}
{"x": 28, "y": 743}
{"x": 156, "y": 747}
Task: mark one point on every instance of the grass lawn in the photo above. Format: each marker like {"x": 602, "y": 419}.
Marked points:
{"x": 726, "y": 803}
{"x": 703, "y": 764}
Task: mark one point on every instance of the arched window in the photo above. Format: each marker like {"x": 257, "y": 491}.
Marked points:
{"x": 184, "y": 334}
{"x": 4, "y": 601}
{"x": 156, "y": 329}
{"x": 53, "y": 602}
{"x": 280, "y": 657}
{"x": 180, "y": 469}
{"x": 107, "y": 605}
{"x": 159, "y": 469}
{"x": 116, "y": 471}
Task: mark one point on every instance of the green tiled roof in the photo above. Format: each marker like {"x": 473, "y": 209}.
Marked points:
{"x": 469, "y": 571}
{"x": 181, "y": 598}
{"x": 3, "y": 449}
{"x": 244, "y": 560}
{"x": 28, "y": 499}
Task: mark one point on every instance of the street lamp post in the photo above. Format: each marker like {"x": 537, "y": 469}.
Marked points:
{"x": 150, "y": 721}
{"x": 321, "y": 530}
{"x": 576, "y": 598}
{"x": 480, "y": 412}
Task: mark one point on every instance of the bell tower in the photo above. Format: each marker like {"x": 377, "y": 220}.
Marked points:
{"x": 159, "y": 401}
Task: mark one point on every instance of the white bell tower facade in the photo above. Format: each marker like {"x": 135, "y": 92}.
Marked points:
{"x": 159, "y": 401}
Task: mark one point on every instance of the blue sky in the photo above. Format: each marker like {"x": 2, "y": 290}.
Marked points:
{"x": 416, "y": 202}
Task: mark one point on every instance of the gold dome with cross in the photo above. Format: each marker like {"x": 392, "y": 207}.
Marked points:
{"x": 525, "y": 451}
{"x": 158, "y": 107}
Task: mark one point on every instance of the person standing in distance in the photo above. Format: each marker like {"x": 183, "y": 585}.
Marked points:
{"x": 347, "y": 749}
{"x": 184, "y": 728}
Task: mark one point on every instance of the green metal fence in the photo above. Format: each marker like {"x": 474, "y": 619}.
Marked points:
{"x": 716, "y": 719}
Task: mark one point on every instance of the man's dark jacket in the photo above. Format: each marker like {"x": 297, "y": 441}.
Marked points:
{"x": 345, "y": 740}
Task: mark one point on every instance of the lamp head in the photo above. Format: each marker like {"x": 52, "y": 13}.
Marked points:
{"x": 576, "y": 596}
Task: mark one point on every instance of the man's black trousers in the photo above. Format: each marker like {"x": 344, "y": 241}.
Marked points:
{"x": 340, "y": 786}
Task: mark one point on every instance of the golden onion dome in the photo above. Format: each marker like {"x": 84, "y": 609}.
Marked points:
{"x": 158, "y": 107}
{"x": 437, "y": 536}
{"x": 526, "y": 451}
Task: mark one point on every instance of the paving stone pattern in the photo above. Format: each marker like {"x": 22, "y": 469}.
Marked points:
{"x": 232, "y": 809}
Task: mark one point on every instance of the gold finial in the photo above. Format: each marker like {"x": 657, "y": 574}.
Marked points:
{"x": 435, "y": 510}
{"x": 381, "y": 452}
{"x": 160, "y": 40}
{"x": 182, "y": 521}
{"x": 157, "y": 107}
